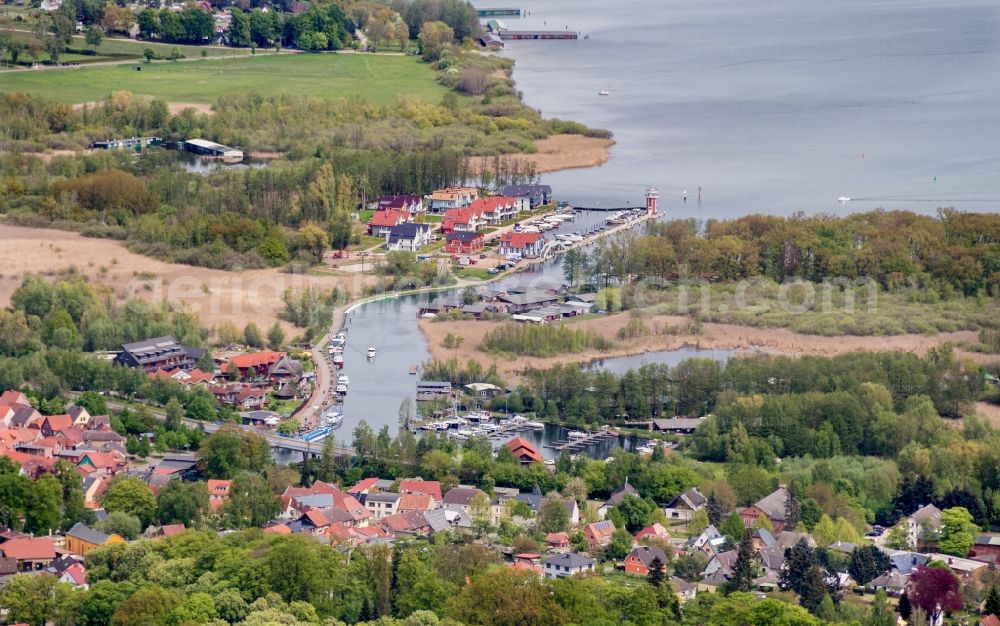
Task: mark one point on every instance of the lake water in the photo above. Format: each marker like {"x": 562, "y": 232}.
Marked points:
{"x": 775, "y": 106}
{"x": 622, "y": 364}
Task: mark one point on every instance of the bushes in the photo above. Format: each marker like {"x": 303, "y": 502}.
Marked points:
{"x": 109, "y": 190}
{"x": 542, "y": 341}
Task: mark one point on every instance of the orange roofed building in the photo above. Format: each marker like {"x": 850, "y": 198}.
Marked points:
{"x": 523, "y": 451}
{"x": 254, "y": 364}
{"x": 599, "y": 534}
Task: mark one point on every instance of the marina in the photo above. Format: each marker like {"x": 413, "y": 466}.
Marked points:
{"x": 537, "y": 34}
{"x": 578, "y": 440}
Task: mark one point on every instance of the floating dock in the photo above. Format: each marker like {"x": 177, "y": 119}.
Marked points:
{"x": 582, "y": 442}
{"x": 500, "y": 12}
{"x": 538, "y": 34}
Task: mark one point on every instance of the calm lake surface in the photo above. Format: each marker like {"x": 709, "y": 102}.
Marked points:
{"x": 774, "y": 106}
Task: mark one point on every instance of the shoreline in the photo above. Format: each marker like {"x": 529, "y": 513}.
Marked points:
{"x": 555, "y": 153}
{"x": 673, "y": 335}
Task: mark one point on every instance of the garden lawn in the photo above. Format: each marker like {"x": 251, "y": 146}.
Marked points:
{"x": 378, "y": 78}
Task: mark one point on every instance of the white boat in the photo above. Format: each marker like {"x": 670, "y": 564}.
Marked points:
{"x": 643, "y": 450}
{"x": 333, "y": 418}
{"x": 577, "y": 434}
{"x": 336, "y": 349}
{"x": 343, "y": 379}
{"x": 342, "y": 389}
{"x": 371, "y": 353}
{"x": 338, "y": 360}
{"x": 535, "y": 425}
{"x": 604, "y": 92}
{"x": 339, "y": 338}
{"x": 518, "y": 419}
{"x": 843, "y": 199}
{"x": 550, "y": 462}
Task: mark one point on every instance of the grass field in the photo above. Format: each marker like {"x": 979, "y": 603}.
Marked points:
{"x": 118, "y": 49}
{"x": 379, "y": 78}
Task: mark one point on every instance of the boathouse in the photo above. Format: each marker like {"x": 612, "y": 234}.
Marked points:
{"x": 212, "y": 149}
{"x": 134, "y": 143}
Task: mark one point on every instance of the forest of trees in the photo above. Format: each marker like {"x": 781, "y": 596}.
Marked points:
{"x": 953, "y": 251}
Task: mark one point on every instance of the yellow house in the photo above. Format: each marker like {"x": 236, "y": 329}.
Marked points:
{"x": 81, "y": 539}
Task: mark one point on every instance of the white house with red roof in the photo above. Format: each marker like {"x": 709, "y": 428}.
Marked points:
{"x": 218, "y": 492}
{"x": 496, "y": 209}
{"x": 527, "y": 245}
{"x": 463, "y": 220}
{"x": 382, "y": 222}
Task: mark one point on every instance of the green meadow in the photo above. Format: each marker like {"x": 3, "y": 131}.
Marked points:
{"x": 379, "y": 78}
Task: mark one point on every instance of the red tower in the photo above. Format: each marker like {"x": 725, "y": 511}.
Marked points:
{"x": 652, "y": 195}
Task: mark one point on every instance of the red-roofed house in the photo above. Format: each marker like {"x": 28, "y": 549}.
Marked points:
{"x": 599, "y": 533}
{"x": 459, "y": 242}
{"x": 429, "y": 487}
{"x": 523, "y": 451}
{"x": 6, "y": 415}
{"x": 365, "y": 485}
{"x": 254, "y": 364}
{"x": 30, "y": 464}
{"x": 171, "y": 530}
{"x": 53, "y": 424}
{"x": 557, "y": 541}
{"x": 75, "y": 575}
{"x": 278, "y": 529}
{"x": 193, "y": 377}
{"x": 251, "y": 398}
{"x": 656, "y": 530}
{"x": 409, "y": 523}
{"x": 218, "y": 492}
{"x": 415, "y": 502}
{"x": 496, "y": 209}
{"x": 642, "y": 560}
{"x": 31, "y": 553}
{"x": 383, "y": 221}
{"x": 467, "y": 219}
{"x": 527, "y": 245}
{"x": 15, "y": 399}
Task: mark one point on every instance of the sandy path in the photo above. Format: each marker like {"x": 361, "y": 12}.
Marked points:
{"x": 558, "y": 152}
{"x": 672, "y": 334}
{"x": 216, "y": 295}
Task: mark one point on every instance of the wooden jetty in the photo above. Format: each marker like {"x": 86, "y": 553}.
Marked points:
{"x": 606, "y": 208}
{"x": 581, "y": 442}
{"x": 538, "y": 34}
{"x": 499, "y": 12}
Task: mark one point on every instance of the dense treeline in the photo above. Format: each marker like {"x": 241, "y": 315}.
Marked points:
{"x": 953, "y": 250}
{"x": 696, "y": 386}
{"x": 251, "y": 579}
